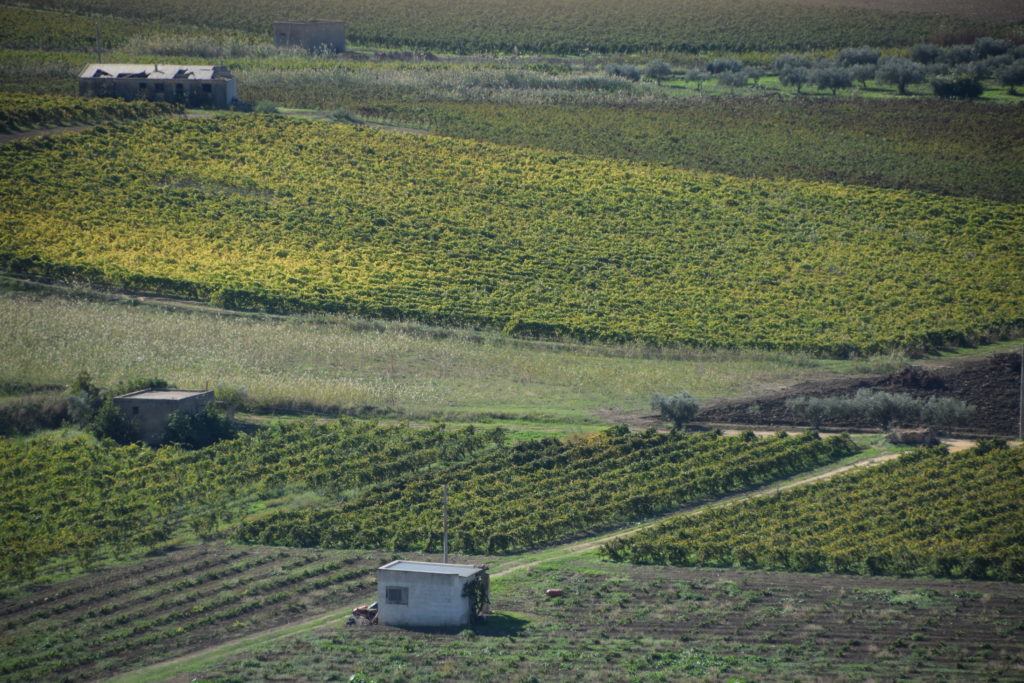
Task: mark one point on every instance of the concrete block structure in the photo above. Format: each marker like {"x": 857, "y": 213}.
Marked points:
{"x": 430, "y": 594}
{"x": 194, "y": 86}
{"x": 310, "y": 35}
{"x": 149, "y": 410}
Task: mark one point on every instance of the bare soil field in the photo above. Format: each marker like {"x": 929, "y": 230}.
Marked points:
{"x": 991, "y": 384}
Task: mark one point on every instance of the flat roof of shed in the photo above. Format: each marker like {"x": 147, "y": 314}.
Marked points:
{"x": 463, "y": 570}
{"x": 201, "y": 72}
{"x": 163, "y": 394}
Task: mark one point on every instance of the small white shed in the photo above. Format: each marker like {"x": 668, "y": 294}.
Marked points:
{"x": 430, "y": 594}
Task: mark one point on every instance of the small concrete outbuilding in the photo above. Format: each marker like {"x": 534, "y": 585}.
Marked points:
{"x": 310, "y": 35}
{"x": 430, "y": 594}
{"x": 194, "y": 86}
{"x": 149, "y": 410}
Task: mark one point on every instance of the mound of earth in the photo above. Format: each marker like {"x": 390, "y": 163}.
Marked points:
{"x": 991, "y": 384}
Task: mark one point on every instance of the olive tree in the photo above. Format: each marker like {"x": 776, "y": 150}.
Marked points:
{"x": 794, "y": 77}
{"x": 658, "y": 71}
{"x": 697, "y": 76}
{"x": 830, "y": 78}
{"x": 1012, "y": 75}
{"x": 678, "y": 409}
{"x": 900, "y": 72}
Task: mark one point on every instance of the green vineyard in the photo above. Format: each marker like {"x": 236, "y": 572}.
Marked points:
{"x": 268, "y": 213}
{"x": 936, "y": 146}
{"x": 508, "y": 500}
{"x": 932, "y": 513}
{"x": 29, "y": 111}
{"x": 368, "y": 486}
{"x": 92, "y": 626}
{"x": 598, "y": 26}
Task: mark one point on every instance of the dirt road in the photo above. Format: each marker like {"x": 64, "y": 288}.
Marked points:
{"x": 179, "y": 668}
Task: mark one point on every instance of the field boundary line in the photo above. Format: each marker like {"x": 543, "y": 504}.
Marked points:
{"x": 189, "y": 662}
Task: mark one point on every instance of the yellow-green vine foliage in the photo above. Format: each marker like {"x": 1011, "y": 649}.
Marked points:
{"x": 267, "y": 213}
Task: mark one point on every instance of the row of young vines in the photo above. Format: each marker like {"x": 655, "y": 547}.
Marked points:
{"x": 367, "y": 486}
{"x": 929, "y": 513}
{"x": 602, "y": 26}
{"x": 18, "y": 112}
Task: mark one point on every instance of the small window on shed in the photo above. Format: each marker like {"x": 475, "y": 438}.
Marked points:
{"x": 142, "y": 86}
{"x": 207, "y": 87}
{"x": 135, "y": 410}
{"x": 159, "y": 87}
{"x": 396, "y": 595}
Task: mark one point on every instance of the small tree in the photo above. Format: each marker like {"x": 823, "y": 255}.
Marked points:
{"x": 884, "y": 408}
{"x": 717, "y": 66}
{"x": 109, "y": 423}
{"x": 137, "y": 384}
{"x": 196, "y": 430}
{"x": 830, "y": 78}
{"x": 926, "y": 53}
{"x": 658, "y": 71}
{"x": 790, "y": 61}
{"x": 678, "y": 409}
{"x": 733, "y": 79}
{"x": 697, "y": 77}
{"x": 862, "y": 73}
{"x": 627, "y": 71}
{"x": 961, "y": 87}
{"x": 946, "y": 412}
{"x": 957, "y": 54}
{"x": 1012, "y": 75}
{"x": 812, "y": 409}
{"x": 849, "y": 56}
{"x": 989, "y": 47}
{"x": 900, "y": 72}
{"x": 755, "y": 73}
{"x": 84, "y": 400}
{"x": 795, "y": 76}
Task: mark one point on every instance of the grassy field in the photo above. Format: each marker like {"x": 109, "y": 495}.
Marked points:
{"x": 241, "y": 211}
{"x": 337, "y": 363}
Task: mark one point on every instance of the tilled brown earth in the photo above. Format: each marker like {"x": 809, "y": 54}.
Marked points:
{"x": 991, "y": 384}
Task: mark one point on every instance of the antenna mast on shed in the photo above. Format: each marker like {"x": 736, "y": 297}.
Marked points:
{"x": 445, "y": 523}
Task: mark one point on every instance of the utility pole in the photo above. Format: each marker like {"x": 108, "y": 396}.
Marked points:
{"x": 445, "y": 523}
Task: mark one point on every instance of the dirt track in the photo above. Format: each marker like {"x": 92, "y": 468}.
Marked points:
{"x": 155, "y": 671}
